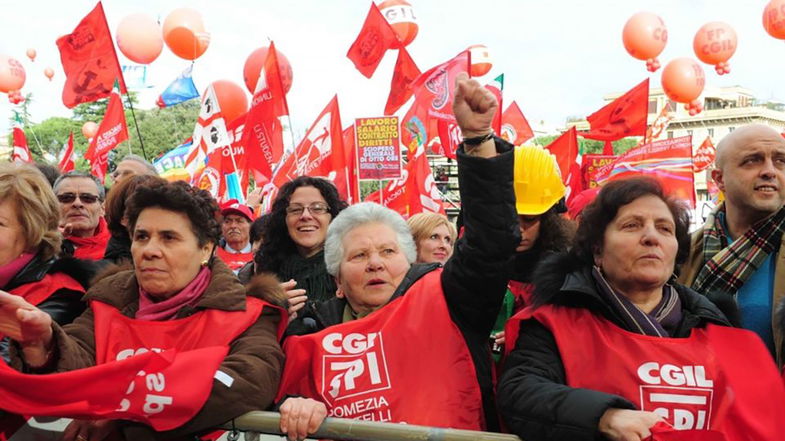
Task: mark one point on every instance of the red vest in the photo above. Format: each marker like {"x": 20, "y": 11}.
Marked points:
{"x": 522, "y": 293}
{"x": 682, "y": 379}
{"x": 36, "y": 292}
{"x": 235, "y": 261}
{"x": 406, "y": 362}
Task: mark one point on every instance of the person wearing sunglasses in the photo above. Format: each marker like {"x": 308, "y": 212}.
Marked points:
{"x": 81, "y": 198}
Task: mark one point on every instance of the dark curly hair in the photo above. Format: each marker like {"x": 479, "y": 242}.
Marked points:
{"x": 556, "y": 232}
{"x": 117, "y": 198}
{"x": 597, "y": 215}
{"x": 257, "y": 228}
{"x": 200, "y": 207}
{"x": 277, "y": 242}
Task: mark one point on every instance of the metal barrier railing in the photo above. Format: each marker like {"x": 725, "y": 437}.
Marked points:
{"x": 356, "y": 430}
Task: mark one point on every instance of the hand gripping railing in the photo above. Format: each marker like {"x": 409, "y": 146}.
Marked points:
{"x": 356, "y": 430}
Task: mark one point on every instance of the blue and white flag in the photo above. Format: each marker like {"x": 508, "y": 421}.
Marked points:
{"x": 180, "y": 90}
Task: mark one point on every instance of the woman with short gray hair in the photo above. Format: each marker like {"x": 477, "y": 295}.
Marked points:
{"x": 410, "y": 341}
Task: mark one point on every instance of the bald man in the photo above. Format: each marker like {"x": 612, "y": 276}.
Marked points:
{"x": 738, "y": 257}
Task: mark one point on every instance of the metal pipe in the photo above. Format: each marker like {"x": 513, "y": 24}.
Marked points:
{"x": 356, "y": 430}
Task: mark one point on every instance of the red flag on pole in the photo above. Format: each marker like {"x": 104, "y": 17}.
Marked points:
{"x": 320, "y": 153}
{"x": 89, "y": 60}
{"x": 704, "y": 156}
{"x": 565, "y": 148}
{"x": 350, "y": 157}
{"x": 21, "y": 151}
{"x": 624, "y": 116}
{"x": 112, "y": 131}
{"x": 375, "y": 38}
{"x": 405, "y": 73}
{"x": 67, "y": 162}
{"x": 515, "y": 127}
{"x": 263, "y": 134}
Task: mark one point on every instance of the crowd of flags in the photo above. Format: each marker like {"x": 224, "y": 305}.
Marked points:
{"x": 225, "y": 156}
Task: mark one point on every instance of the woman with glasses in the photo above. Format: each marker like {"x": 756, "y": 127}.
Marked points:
{"x": 29, "y": 242}
{"x": 294, "y": 239}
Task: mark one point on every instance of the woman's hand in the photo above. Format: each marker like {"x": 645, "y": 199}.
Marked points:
{"x": 301, "y": 417}
{"x": 627, "y": 425}
{"x": 88, "y": 430}
{"x": 28, "y": 325}
{"x": 499, "y": 338}
{"x": 296, "y": 297}
{"x": 254, "y": 198}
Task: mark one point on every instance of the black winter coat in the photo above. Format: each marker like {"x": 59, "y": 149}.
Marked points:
{"x": 534, "y": 400}
{"x": 475, "y": 278}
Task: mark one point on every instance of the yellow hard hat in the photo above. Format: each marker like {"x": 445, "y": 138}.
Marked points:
{"x": 536, "y": 180}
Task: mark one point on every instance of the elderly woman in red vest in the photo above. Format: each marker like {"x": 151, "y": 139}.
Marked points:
{"x": 612, "y": 345}
{"x": 29, "y": 242}
{"x": 176, "y": 299}
{"x": 403, "y": 342}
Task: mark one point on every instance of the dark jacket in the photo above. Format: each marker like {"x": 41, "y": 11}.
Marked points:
{"x": 474, "y": 280}
{"x": 118, "y": 249}
{"x": 535, "y": 402}
{"x": 254, "y": 361}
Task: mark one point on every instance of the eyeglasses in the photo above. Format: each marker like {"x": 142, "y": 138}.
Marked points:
{"x": 67, "y": 198}
{"x": 315, "y": 209}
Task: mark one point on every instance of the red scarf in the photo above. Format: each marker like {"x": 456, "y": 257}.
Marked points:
{"x": 10, "y": 269}
{"x": 92, "y": 247}
{"x": 151, "y": 308}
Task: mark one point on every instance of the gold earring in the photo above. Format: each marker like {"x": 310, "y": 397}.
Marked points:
{"x": 205, "y": 262}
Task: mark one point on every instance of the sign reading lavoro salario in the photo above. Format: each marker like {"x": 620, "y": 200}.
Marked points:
{"x": 378, "y": 148}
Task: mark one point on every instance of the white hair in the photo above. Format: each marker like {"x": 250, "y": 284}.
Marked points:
{"x": 362, "y": 214}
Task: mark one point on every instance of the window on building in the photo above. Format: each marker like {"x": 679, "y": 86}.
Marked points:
{"x": 711, "y": 133}
{"x": 670, "y": 134}
{"x": 689, "y": 132}
{"x": 731, "y": 128}
{"x": 652, "y": 106}
{"x": 671, "y": 106}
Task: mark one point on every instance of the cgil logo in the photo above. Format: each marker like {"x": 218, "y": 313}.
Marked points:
{"x": 353, "y": 364}
{"x": 680, "y": 394}
{"x": 652, "y": 373}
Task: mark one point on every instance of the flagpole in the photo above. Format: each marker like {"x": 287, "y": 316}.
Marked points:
{"x": 138, "y": 133}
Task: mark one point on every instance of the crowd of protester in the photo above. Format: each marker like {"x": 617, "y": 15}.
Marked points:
{"x": 601, "y": 319}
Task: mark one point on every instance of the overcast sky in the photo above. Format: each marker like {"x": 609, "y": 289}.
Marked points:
{"x": 559, "y": 57}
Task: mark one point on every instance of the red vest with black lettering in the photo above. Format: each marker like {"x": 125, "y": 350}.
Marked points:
{"x": 406, "y": 362}
{"x": 36, "y": 292}
{"x": 235, "y": 261}
{"x": 681, "y": 379}
{"x": 177, "y": 392}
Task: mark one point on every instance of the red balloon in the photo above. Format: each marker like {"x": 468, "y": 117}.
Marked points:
{"x": 184, "y": 33}
{"x": 12, "y": 74}
{"x": 715, "y": 43}
{"x": 89, "y": 129}
{"x": 253, "y": 65}
{"x": 139, "y": 38}
{"x": 683, "y": 80}
{"x": 31, "y": 53}
{"x": 231, "y": 99}
{"x": 645, "y": 36}
{"x": 49, "y": 72}
{"x": 481, "y": 60}
{"x": 401, "y": 17}
{"x": 774, "y": 19}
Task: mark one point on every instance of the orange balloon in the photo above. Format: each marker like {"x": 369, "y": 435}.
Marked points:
{"x": 49, "y": 72}
{"x": 481, "y": 60}
{"x": 644, "y": 35}
{"x": 683, "y": 80}
{"x": 774, "y": 19}
{"x": 401, "y": 17}
{"x": 31, "y": 53}
{"x": 184, "y": 33}
{"x": 12, "y": 74}
{"x": 253, "y": 65}
{"x": 139, "y": 38}
{"x": 231, "y": 99}
{"x": 89, "y": 129}
{"x": 715, "y": 42}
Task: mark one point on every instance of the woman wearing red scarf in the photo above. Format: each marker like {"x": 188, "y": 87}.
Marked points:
{"x": 176, "y": 298}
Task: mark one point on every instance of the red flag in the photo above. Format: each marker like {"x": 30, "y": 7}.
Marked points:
{"x": 320, "y": 153}
{"x": 375, "y": 38}
{"x": 565, "y": 148}
{"x": 624, "y": 116}
{"x": 264, "y": 137}
{"x": 89, "y": 60}
{"x": 21, "y": 152}
{"x": 112, "y": 131}
{"x": 405, "y": 73}
{"x": 67, "y": 163}
{"x": 515, "y": 128}
{"x": 704, "y": 156}
{"x": 350, "y": 159}
{"x": 209, "y": 134}
{"x": 393, "y": 195}
{"x": 449, "y": 139}
{"x": 433, "y": 102}
{"x": 423, "y": 196}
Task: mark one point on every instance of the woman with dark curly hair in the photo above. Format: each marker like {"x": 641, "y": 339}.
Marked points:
{"x": 612, "y": 345}
{"x": 294, "y": 240}
{"x": 176, "y": 299}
